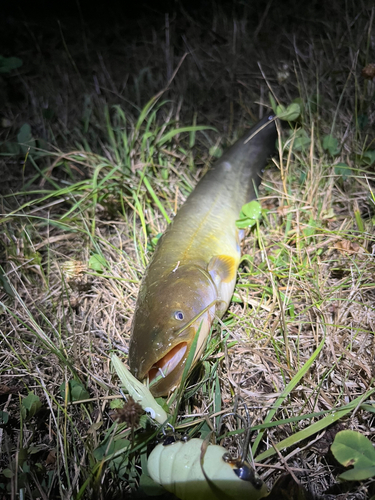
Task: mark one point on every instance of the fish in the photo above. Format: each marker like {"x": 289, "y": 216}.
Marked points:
{"x": 191, "y": 276}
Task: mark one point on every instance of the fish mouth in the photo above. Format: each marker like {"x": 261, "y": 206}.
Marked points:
{"x": 165, "y": 373}
{"x": 166, "y": 365}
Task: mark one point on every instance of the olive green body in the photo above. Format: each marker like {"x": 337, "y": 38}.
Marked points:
{"x": 192, "y": 274}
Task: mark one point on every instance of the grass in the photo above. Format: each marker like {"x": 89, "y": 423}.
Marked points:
{"x": 97, "y": 180}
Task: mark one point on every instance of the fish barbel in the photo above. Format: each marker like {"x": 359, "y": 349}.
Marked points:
{"x": 192, "y": 274}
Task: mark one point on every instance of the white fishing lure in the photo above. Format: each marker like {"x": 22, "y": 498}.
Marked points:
{"x": 176, "y": 465}
{"x": 139, "y": 392}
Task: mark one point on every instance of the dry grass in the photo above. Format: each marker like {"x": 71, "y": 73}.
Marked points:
{"x": 79, "y": 229}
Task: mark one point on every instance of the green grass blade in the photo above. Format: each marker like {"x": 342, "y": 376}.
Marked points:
{"x": 188, "y": 365}
{"x": 192, "y": 128}
{"x": 155, "y": 198}
{"x": 314, "y": 428}
{"x": 141, "y": 216}
{"x": 288, "y": 389}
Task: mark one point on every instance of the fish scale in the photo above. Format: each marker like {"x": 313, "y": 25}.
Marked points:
{"x": 192, "y": 274}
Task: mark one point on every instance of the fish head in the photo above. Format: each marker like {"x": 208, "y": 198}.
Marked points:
{"x": 170, "y": 310}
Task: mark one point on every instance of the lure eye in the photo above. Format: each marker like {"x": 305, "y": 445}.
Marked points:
{"x": 245, "y": 473}
{"x": 169, "y": 440}
{"x": 179, "y": 315}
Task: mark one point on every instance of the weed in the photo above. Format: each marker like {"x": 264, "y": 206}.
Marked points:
{"x": 93, "y": 176}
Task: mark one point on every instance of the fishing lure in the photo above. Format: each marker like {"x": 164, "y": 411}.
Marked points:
{"x": 139, "y": 392}
{"x": 193, "y": 471}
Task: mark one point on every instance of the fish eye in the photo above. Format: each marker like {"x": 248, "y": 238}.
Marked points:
{"x": 179, "y": 315}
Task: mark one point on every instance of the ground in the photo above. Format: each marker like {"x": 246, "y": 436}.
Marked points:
{"x": 109, "y": 117}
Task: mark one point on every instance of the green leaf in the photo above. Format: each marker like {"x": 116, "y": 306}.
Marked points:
{"x": 4, "y": 283}
{"x": 273, "y": 102}
{"x": 144, "y": 421}
{"x": 216, "y": 151}
{"x": 280, "y": 110}
{"x": 331, "y": 145}
{"x": 369, "y": 157}
{"x": 107, "y": 449}
{"x": 300, "y": 102}
{"x": 310, "y": 229}
{"x": 24, "y": 133}
{"x": 30, "y": 405}
{"x": 79, "y": 393}
{"x": 156, "y": 239}
{"x": 358, "y": 474}
{"x": 4, "y": 417}
{"x": 9, "y": 63}
{"x": 8, "y": 473}
{"x": 244, "y": 223}
{"x": 116, "y": 403}
{"x": 343, "y": 170}
{"x": 149, "y": 487}
{"x": 352, "y": 448}
{"x": 76, "y": 391}
{"x": 25, "y": 138}
{"x": 97, "y": 262}
{"x": 290, "y": 113}
{"x": 249, "y": 214}
{"x": 252, "y": 210}
{"x": 299, "y": 140}
{"x": 13, "y": 148}
{"x": 162, "y": 402}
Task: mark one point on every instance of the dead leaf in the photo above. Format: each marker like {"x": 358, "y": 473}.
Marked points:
{"x": 348, "y": 247}
{"x": 51, "y": 459}
{"x": 283, "y": 210}
{"x": 8, "y": 389}
{"x": 368, "y": 71}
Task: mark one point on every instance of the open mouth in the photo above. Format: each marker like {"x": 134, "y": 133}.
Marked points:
{"x": 167, "y": 364}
